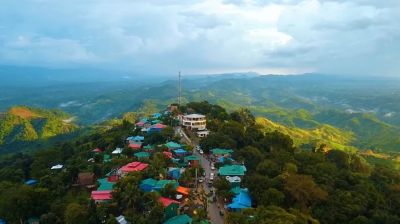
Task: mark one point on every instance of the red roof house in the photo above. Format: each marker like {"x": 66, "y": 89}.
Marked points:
{"x": 133, "y": 166}
{"x": 168, "y": 155}
{"x": 159, "y": 125}
{"x": 99, "y": 196}
{"x": 140, "y": 124}
{"x": 135, "y": 145}
{"x": 156, "y": 127}
{"x": 167, "y": 201}
{"x": 97, "y": 150}
{"x": 170, "y": 207}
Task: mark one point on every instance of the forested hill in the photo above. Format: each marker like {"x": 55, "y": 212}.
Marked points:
{"x": 21, "y": 124}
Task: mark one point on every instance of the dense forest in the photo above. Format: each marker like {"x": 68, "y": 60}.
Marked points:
{"x": 287, "y": 184}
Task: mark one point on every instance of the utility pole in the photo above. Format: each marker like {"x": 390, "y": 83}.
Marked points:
{"x": 179, "y": 89}
{"x": 196, "y": 179}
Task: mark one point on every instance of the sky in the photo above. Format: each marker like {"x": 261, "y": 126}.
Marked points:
{"x": 357, "y": 37}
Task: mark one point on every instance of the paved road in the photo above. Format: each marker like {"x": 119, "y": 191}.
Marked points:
{"x": 213, "y": 210}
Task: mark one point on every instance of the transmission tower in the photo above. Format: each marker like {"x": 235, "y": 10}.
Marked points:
{"x": 180, "y": 89}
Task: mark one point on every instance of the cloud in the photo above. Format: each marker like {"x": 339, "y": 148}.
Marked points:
{"x": 164, "y": 36}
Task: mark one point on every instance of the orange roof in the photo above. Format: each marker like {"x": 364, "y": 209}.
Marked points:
{"x": 167, "y": 201}
{"x": 183, "y": 190}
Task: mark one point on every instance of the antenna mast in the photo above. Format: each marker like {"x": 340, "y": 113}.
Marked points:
{"x": 180, "y": 89}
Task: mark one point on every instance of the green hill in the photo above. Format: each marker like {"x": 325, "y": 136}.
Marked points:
{"x": 322, "y": 134}
{"x": 366, "y": 130}
{"x": 21, "y": 124}
{"x": 371, "y": 132}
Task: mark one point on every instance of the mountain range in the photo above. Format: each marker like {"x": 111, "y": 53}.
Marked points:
{"x": 345, "y": 112}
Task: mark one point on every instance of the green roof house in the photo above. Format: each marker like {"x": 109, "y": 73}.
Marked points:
{"x": 191, "y": 158}
{"x": 148, "y": 148}
{"x": 173, "y": 145}
{"x": 142, "y": 155}
{"x": 105, "y": 185}
{"x": 232, "y": 170}
{"x": 221, "y": 152}
{"x": 106, "y": 158}
{"x": 180, "y": 219}
{"x": 162, "y": 183}
{"x": 33, "y": 220}
{"x": 151, "y": 184}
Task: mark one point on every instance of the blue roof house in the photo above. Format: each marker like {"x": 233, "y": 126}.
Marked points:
{"x": 156, "y": 115}
{"x": 174, "y": 172}
{"x": 240, "y": 201}
{"x": 180, "y": 152}
{"x": 147, "y": 185}
{"x": 133, "y": 139}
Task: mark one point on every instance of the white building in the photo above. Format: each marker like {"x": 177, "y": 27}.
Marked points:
{"x": 194, "y": 121}
{"x": 203, "y": 133}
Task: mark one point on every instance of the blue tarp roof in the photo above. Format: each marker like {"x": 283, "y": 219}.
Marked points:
{"x": 156, "y": 115}
{"x": 31, "y": 182}
{"x": 242, "y": 200}
{"x": 135, "y": 138}
{"x": 180, "y": 151}
{"x": 222, "y": 159}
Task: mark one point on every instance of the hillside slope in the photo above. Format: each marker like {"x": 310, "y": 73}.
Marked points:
{"x": 322, "y": 134}
{"x": 22, "y": 123}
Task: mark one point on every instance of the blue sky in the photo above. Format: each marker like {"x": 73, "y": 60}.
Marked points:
{"x": 357, "y": 37}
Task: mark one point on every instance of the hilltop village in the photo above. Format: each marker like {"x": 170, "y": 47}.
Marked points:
{"x": 186, "y": 187}
{"x": 194, "y": 163}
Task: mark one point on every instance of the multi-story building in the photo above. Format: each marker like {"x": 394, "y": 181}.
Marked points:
{"x": 194, "y": 121}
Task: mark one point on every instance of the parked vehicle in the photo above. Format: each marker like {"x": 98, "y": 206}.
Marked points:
{"x": 211, "y": 176}
{"x": 201, "y": 151}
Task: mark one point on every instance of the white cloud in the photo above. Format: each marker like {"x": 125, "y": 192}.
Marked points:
{"x": 163, "y": 36}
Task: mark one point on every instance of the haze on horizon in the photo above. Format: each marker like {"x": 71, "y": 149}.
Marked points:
{"x": 358, "y": 37}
